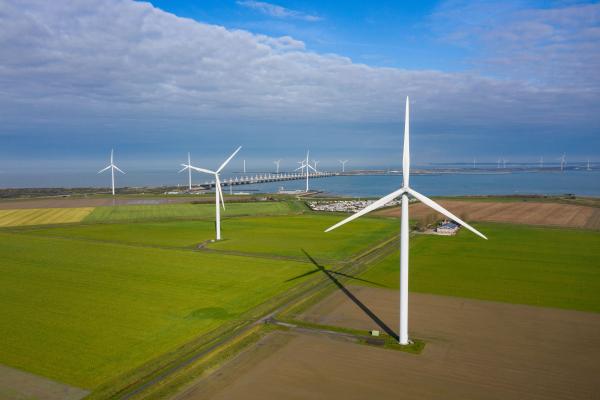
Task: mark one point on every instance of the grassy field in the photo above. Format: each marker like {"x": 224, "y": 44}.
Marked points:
{"x": 185, "y": 210}
{"x": 518, "y": 264}
{"x": 41, "y": 216}
{"x": 83, "y": 312}
{"x": 273, "y": 235}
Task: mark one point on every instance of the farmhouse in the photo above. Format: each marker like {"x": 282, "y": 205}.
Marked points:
{"x": 447, "y": 228}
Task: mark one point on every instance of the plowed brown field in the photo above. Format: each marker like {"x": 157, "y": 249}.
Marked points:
{"x": 530, "y": 213}
{"x": 475, "y": 350}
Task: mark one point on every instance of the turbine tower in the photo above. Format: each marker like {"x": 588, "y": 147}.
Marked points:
{"x": 305, "y": 164}
{"x": 189, "y": 169}
{"x": 244, "y": 166}
{"x": 403, "y": 192}
{"x": 112, "y": 167}
{"x": 218, "y": 190}
{"x": 343, "y": 162}
{"x": 588, "y": 165}
{"x": 277, "y": 162}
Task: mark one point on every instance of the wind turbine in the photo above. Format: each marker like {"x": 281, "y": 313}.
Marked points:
{"x": 404, "y": 191}
{"x": 112, "y": 167}
{"x": 218, "y": 190}
{"x": 588, "y": 165}
{"x": 343, "y": 162}
{"x": 541, "y": 162}
{"x": 277, "y": 162}
{"x": 305, "y": 164}
{"x": 188, "y": 166}
{"x": 563, "y": 162}
{"x": 316, "y": 164}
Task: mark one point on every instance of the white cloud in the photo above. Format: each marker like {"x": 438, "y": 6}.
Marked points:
{"x": 557, "y": 45}
{"x": 75, "y": 63}
{"x": 274, "y": 10}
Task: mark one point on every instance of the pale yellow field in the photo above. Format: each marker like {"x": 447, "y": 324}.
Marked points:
{"x": 43, "y": 216}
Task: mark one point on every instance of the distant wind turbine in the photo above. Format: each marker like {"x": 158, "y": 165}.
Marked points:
{"x": 112, "y": 167}
{"x": 277, "y": 164}
{"x": 563, "y": 162}
{"x": 588, "y": 165}
{"x": 316, "y": 164}
{"x": 218, "y": 190}
{"x": 304, "y": 164}
{"x": 541, "y": 162}
{"x": 404, "y": 191}
{"x": 343, "y": 162}
{"x": 188, "y": 166}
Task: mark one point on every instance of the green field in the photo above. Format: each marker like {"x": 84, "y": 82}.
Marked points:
{"x": 186, "y": 210}
{"x": 85, "y": 304}
{"x": 41, "y": 216}
{"x": 281, "y": 236}
{"x": 518, "y": 264}
{"x": 83, "y": 313}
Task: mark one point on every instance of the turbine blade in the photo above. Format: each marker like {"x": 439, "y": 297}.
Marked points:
{"x": 311, "y": 167}
{"x": 300, "y": 167}
{"x": 117, "y": 168}
{"x": 229, "y": 159}
{"x": 427, "y": 201}
{"x": 406, "y": 148}
{"x": 111, "y": 155}
{"x": 183, "y": 169}
{"x": 379, "y": 203}
{"x": 104, "y": 169}
{"x": 206, "y": 171}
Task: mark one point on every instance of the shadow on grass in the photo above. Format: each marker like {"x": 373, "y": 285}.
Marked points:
{"x": 355, "y": 300}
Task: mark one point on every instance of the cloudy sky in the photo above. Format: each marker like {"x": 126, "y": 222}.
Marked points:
{"x": 517, "y": 79}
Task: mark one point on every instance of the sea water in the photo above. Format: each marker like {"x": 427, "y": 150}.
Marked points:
{"x": 578, "y": 182}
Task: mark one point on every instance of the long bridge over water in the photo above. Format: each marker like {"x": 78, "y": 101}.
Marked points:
{"x": 266, "y": 177}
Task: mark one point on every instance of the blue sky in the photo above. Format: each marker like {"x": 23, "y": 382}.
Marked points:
{"x": 515, "y": 79}
{"x": 378, "y": 33}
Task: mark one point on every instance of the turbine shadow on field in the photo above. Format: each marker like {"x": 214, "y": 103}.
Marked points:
{"x": 355, "y": 300}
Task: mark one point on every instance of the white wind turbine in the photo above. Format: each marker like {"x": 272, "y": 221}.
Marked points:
{"x": 404, "y": 191}
{"x": 277, "y": 162}
{"x": 343, "y": 162}
{"x": 188, "y": 166}
{"x": 305, "y": 164}
{"x": 218, "y": 190}
{"x": 112, "y": 167}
